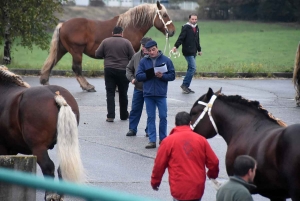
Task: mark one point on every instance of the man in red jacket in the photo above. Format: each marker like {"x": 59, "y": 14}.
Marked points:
{"x": 185, "y": 154}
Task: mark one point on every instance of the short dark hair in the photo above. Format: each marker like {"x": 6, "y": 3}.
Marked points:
{"x": 193, "y": 14}
{"x": 242, "y": 164}
{"x": 117, "y": 30}
{"x": 182, "y": 118}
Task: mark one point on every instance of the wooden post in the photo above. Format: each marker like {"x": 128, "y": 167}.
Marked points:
{"x": 9, "y": 192}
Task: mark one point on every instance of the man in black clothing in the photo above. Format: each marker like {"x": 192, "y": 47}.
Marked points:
{"x": 189, "y": 39}
{"x": 117, "y": 52}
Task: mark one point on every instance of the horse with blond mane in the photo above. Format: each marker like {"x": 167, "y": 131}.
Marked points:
{"x": 83, "y": 36}
{"x": 296, "y": 76}
{"x": 33, "y": 120}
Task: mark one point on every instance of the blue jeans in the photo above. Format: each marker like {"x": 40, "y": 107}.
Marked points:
{"x": 136, "y": 109}
{"x": 191, "y": 60}
{"x": 161, "y": 103}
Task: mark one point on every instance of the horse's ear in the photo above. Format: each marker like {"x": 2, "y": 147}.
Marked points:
{"x": 209, "y": 93}
{"x": 219, "y": 91}
{"x": 158, "y": 5}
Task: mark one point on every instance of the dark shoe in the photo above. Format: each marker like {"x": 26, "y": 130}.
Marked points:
{"x": 131, "y": 133}
{"x": 146, "y": 135}
{"x": 110, "y": 119}
{"x": 191, "y": 91}
{"x": 185, "y": 90}
{"x": 150, "y": 145}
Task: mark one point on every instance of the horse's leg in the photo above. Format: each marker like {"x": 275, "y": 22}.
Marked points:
{"x": 60, "y": 178}
{"x": 51, "y": 61}
{"x": 77, "y": 68}
{"x": 47, "y": 167}
{"x": 277, "y": 199}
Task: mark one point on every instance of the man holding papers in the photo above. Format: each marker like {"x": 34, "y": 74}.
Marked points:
{"x": 155, "y": 70}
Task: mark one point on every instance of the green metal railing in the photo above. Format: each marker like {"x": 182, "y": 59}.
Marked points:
{"x": 46, "y": 183}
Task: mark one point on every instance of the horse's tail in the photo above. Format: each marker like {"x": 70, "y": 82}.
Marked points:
{"x": 52, "y": 57}
{"x": 296, "y": 75}
{"x": 67, "y": 142}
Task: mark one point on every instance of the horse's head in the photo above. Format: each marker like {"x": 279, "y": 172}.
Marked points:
{"x": 162, "y": 20}
{"x": 200, "y": 120}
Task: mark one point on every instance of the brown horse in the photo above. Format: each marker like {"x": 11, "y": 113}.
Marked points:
{"x": 249, "y": 129}
{"x": 296, "y": 75}
{"x": 33, "y": 120}
{"x": 80, "y": 35}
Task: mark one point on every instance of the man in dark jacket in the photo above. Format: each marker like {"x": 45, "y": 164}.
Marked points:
{"x": 238, "y": 187}
{"x": 137, "y": 98}
{"x": 189, "y": 39}
{"x": 186, "y": 154}
{"x": 117, "y": 52}
{"x": 155, "y": 70}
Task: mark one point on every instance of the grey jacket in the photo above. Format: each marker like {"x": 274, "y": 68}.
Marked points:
{"x": 236, "y": 189}
{"x": 132, "y": 68}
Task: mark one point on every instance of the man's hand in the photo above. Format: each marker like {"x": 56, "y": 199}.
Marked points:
{"x": 158, "y": 74}
{"x": 199, "y": 53}
{"x": 133, "y": 81}
{"x": 155, "y": 188}
{"x": 174, "y": 49}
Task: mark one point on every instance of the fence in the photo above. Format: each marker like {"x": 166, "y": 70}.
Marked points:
{"x": 87, "y": 192}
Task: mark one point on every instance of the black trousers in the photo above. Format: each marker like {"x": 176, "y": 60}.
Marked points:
{"x": 113, "y": 78}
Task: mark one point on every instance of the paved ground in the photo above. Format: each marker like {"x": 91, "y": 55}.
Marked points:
{"x": 121, "y": 163}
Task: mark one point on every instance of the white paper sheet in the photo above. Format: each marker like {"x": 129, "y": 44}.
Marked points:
{"x": 161, "y": 69}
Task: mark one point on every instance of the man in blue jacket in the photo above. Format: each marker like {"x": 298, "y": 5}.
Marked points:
{"x": 189, "y": 39}
{"x": 155, "y": 71}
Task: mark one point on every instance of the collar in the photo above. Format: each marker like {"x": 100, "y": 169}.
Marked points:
{"x": 237, "y": 179}
{"x": 180, "y": 128}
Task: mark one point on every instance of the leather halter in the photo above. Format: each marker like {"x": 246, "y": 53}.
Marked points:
{"x": 208, "y": 108}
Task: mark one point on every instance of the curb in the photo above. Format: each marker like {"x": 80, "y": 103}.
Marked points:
{"x": 178, "y": 74}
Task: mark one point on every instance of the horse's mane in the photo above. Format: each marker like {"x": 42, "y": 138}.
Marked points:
{"x": 7, "y": 76}
{"x": 254, "y": 104}
{"x": 140, "y": 15}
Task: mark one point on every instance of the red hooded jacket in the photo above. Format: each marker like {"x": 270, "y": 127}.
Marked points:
{"x": 185, "y": 154}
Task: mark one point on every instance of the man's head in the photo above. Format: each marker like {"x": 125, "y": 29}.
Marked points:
{"x": 182, "y": 118}
{"x": 245, "y": 166}
{"x": 143, "y": 43}
{"x": 193, "y": 19}
{"x": 118, "y": 30}
{"x": 152, "y": 49}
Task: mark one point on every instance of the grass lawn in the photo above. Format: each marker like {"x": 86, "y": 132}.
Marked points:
{"x": 227, "y": 46}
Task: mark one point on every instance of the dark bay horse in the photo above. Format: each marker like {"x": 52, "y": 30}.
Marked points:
{"x": 249, "y": 129}
{"x": 33, "y": 120}
{"x": 81, "y": 35}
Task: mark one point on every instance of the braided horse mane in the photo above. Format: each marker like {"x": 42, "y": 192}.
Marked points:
{"x": 296, "y": 75}
{"x": 254, "y": 104}
{"x": 7, "y": 76}
{"x": 139, "y": 16}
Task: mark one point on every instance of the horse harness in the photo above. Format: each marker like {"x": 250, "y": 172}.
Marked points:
{"x": 208, "y": 107}
{"x": 166, "y": 28}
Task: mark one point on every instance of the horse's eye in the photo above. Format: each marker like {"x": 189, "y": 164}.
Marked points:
{"x": 165, "y": 15}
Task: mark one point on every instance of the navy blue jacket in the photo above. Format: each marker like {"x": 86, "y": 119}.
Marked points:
{"x": 189, "y": 40}
{"x": 155, "y": 86}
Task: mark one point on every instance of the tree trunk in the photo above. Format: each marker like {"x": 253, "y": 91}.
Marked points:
{"x": 7, "y": 43}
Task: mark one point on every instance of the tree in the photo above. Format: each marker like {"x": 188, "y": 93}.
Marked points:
{"x": 26, "y": 22}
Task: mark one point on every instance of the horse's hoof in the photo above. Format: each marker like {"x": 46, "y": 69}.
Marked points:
{"x": 91, "y": 90}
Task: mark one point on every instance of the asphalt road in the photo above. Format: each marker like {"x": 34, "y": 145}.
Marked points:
{"x": 121, "y": 163}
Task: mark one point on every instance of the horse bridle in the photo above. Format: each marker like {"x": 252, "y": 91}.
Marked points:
{"x": 164, "y": 23}
{"x": 166, "y": 28}
{"x": 208, "y": 108}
